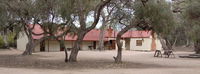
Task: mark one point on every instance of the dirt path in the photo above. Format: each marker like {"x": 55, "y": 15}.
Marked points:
{"x": 100, "y": 71}
{"x": 95, "y": 62}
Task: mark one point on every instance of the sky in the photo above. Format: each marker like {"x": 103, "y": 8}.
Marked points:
{"x": 90, "y": 19}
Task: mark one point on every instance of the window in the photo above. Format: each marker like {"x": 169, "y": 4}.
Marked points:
{"x": 138, "y": 42}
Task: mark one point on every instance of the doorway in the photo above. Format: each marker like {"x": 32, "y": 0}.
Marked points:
{"x": 94, "y": 44}
{"x": 42, "y": 46}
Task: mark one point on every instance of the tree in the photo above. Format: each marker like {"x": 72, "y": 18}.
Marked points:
{"x": 192, "y": 22}
{"x": 158, "y": 17}
{"x": 106, "y": 16}
{"x": 124, "y": 16}
{"x": 5, "y": 21}
{"x": 81, "y": 9}
{"x": 29, "y": 13}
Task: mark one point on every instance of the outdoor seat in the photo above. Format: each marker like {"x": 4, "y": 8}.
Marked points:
{"x": 168, "y": 53}
{"x": 90, "y": 47}
{"x": 157, "y": 53}
{"x": 69, "y": 49}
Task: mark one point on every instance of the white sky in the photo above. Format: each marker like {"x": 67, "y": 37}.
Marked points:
{"x": 90, "y": 18}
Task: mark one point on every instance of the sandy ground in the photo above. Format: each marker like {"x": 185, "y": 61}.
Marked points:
{"x": 95, "y": 62}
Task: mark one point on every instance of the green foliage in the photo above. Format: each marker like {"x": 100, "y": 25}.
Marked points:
{"x": 11, "y": 38}
{"x": 157, "y": 14}
{"x": 69, "y": 8}
{"x": 1, "y": 42}
{"x": 192, "y": 19}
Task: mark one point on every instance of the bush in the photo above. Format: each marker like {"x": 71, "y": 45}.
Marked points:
{"x": 1, "y": 42}
{"x": 10, "y": 40}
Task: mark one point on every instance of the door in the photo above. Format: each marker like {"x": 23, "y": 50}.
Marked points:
{"x": 113, "y": 44}
{"x": 42, "y": 46}
{"x": 61, "y": 48}
{"x": 94, "y": 45}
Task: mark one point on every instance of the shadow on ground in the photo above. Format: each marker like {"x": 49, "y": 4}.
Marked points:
{"x": 34, "y": 61}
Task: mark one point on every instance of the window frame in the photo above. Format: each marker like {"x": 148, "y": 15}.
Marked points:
{"x": 139, "y": 42}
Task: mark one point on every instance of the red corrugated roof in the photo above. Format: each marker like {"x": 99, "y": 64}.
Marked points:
{"x": 93, "y": 35}
{"x": 38, "y": 30}
{"x": 137, "y": 34}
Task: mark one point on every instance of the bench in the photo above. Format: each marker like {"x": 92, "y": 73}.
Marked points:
{"x": 157, "y": 53}
{"x": 167, "y": 53}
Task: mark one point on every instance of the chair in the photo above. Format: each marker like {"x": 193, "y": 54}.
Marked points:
{"x": 168, "y": 53}
{"x": 157, "y": 53}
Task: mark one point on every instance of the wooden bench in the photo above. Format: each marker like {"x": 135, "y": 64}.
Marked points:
{"x": 167, "y": 53}
{"x": 69, "y": 49}
{"x": 157, "y": 53}
{"x": 90, "y": 47}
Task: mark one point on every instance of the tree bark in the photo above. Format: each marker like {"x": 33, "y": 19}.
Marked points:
{"x": 153, "y": 43}
{"x": 5, "y": 40}
{"x": 83, "y": 30}
{"x": 165, "y": 43}
{"x": 29, "y": 48}
{"x": 197, "y": 46}
{"x": 101, "y": 38}
{"x": 62, "y": 46}
{"x": 76, "y": 47}
{"x": 118, "y": 58}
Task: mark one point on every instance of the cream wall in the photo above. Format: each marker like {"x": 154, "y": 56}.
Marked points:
{"x": 146, "y": 44}
{"x": 123, "y": 45}
{"x": 37, "y": 48}
{"x": 158, "y": 44}
{"x": 127, "y": 44}
{"x": 21, "y": 42}
{"x": 52, "y": 46}
{"x": 55, "y": 47}
{"x": 86, "y": 44}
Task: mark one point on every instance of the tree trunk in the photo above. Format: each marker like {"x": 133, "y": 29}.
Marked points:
{"x": 5, "y": 40}
{"x": 76, "y": 47}
{"x": 29, "y": 48}
{"x": 187, "y": 43}
{"x": 118, "y": 59}
{"x": 197, "y": 46}
{"x": 101, "y": 37}
{"x": 62, "y": 46}
{"x": 153, "y": 43}
{"x": 165, "y": 44}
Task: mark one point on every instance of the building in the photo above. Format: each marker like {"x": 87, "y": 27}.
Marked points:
{"x": 141, "y": 41}
{"x": 132, "y": 40}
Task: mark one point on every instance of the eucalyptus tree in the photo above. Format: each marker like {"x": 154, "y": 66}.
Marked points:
{"x": 3, "y": 19}
{"x": 28, "y": 13}
{"x": 178, "y": 8}
{"x": 158, "y": 17}
{"x": 48, "y": 17}
{"x": 107, "y": 16}
{"x": 5, "y": 22}
{"x": 125, "y": 18}
{"x": 192, "y": 22}
{"x": 22, "y": 14}
{"x": 81, "y": 9}
{"x": 123, "y": 15}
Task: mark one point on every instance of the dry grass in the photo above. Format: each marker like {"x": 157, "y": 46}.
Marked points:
{"x": 94, "y": 61}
